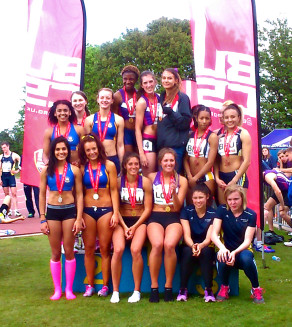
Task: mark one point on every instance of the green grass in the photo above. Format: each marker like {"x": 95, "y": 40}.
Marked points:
{"x": 25, "y": 287}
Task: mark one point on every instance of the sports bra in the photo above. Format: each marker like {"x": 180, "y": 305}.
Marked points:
{"x": 73, "y": 137}
{"x": 282, "y": 180}
{"x": 124, "y": 194}
{"x": 112, "y": 127}
{"x": 103, "y": 177}
{"x": 147, "y": 115}
{"x": 204, "y": 149}
{"x": 69, "y": 180}
{"x": 235, "y": 145}
{"x": 123, "y": 109}
{"x": 158, "y": 197}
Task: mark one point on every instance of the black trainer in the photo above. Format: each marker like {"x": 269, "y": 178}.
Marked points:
{"x": 168, "y": 296}
{"x": 154, "y": 295}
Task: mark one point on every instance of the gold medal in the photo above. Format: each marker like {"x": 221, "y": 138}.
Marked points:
{"x": 167, "y": 208}
{"x": 160, "y": 118}
{"x": 134, "y": 213}
{"x": 131, "y": 120}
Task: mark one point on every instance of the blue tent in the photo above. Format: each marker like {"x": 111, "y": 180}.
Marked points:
{"x": 278, "y": 138}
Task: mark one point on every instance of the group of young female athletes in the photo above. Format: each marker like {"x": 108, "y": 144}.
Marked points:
{"x": 117, "y": 175}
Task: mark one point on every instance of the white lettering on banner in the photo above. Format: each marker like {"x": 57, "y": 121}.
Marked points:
{"x": 56, "y": 72}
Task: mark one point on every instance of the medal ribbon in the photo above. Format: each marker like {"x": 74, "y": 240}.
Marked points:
{"x": 58, "y": 130}
{"x": 174, "y": 101}
{"x": 83, "y": 119}
{"x": 131, "y": 111}
{"x": 167, "y": 196}
{"x": 227, "y": 144}
{"x": 94, "y": 184}
{"x": 152, "y": 107}
{"x": 60, "y": 184}
{"x": 197, "y": 148}
{"x": 132, "y": 197}
{"x": 101, "y": 133}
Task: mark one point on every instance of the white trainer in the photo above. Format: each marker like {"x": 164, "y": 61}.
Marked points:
{"x": 135, "y": 297}
{"x": 115, "y": 297}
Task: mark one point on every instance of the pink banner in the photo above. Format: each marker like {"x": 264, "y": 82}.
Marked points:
{"x": 55, "y": 44}
{"x": 223, "y": 42}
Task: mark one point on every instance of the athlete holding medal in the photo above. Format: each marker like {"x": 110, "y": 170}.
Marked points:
{"x": 135, "y": 207}
{"x": 164, "y": 229}
{"x": 148, "y": 111}
{"x": 63, "y": 219}
{"x": 201, "y": 152}
{"x": 234, "y": 151}
{"x": 108, "y": 127}
{"x": 125, "y": 101}
{"x": 101, "y": 208}
{"x": 62, "y": 117}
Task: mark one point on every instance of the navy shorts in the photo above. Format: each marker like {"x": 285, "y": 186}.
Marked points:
{"x": 130, "y": 220}
{"x": 116, "y": 161}
{"x": 61, "y": 212}
{"x": 96, "y": 213}
{"x": 164, "y": 218}
{"x": 129, "y": 137}
{"x": 227, "y": 177}
{"x": 285, "y": 197}
{"x": 8, "y": 180}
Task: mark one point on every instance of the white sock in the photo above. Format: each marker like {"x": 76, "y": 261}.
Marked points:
{"x": 135, "y": 297}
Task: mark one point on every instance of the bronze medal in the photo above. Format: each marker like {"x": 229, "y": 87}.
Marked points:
{"x": 131, "y": 120}
{"x": 134, "y": 213}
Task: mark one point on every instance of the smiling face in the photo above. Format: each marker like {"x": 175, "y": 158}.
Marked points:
{"x": 168, "y": 163}
{"x": 203, "y": 120}
{"x": 129, "y": 81}
{"x": 5, "y": 149}
{"x": 61, "y": 151}
{"x": 105, "y": 99}
{"x": 132, "y": 166}
{"x": 231, "y": 118}
{"x": 199, "y": 199}
{"x": 91, "y": 150}
{"x": 148, "y": 84}
{"x": 168, "y": 80}
{"x": 265, "y": 152}
{"x": 62, "y": 112}
{"x": 78, "y": 102}
{"x": 234, "y": 201}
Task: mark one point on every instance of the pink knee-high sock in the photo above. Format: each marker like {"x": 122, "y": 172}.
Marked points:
{"x": 70, "y": 268}
{"x": 56, "y": 275}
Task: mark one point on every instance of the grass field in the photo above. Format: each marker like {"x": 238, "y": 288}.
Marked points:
{"x": 25, "y": 287}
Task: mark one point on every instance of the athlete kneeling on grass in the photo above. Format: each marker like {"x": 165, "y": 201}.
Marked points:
{"x": 238, "y": 224}
{"x": 197, "y": 220}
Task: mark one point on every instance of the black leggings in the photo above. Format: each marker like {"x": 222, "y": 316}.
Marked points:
{"x": 188, "y": 261}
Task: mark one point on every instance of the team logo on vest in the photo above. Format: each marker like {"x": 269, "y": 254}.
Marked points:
{"x": 110, "y": 125}
{"x": 70, "y": 139}
{"x": 67, "y": 179}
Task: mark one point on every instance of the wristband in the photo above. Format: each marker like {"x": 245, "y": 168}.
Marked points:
{"x": 42, "y": 214}
{"x": 43, "y": 221}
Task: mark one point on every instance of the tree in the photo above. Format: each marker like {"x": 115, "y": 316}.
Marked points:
{"x": 275, "y": 75}
{"x": 165, "y": 43}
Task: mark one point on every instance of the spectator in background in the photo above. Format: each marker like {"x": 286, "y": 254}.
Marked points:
{"x": 28, "y": 189}
{"x": 8, "y": 161}
{"x": 282, "y": 159}
{"x": 4, "y": 219}
{"x": 268, "y": 162}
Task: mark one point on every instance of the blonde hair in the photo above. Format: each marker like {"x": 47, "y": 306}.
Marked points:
{"x": 235, "y": 188}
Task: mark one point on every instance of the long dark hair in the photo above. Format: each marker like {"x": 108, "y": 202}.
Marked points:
{"x": 52, "y": 119}
{"x": 52, "y": 164}
{"x": 126, "y": 159}
{"x": 101, "y": 151}
{"x": 196, "y": 110}
{"x": 85, "y": 98}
